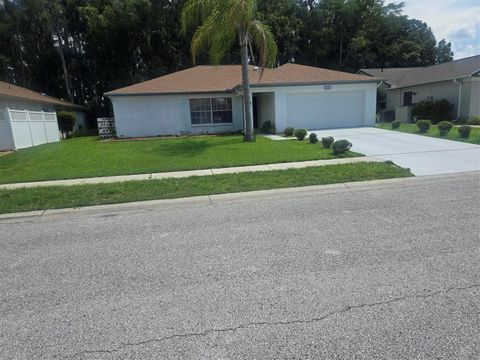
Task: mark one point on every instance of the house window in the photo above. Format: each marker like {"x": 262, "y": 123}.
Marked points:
{"x": 211, "y": 111}
{"x": 407, "y": 98}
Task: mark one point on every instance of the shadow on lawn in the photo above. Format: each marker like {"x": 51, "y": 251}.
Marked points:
{"x": 192, "y": 147}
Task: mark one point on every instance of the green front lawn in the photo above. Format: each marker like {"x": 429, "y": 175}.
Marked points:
{"x": 89, "y": 157}
{"x": 452, "y": 135}
{"x": 84, "y": 195}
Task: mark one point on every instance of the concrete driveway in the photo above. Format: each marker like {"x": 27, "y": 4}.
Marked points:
{"x": 421, "y": 154}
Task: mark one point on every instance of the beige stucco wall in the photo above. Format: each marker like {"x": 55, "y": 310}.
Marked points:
{"x": 473, "y": 86}
{"x": 442, "y": 90}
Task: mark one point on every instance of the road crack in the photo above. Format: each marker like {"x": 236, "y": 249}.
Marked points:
{"x": 274, "y": 323}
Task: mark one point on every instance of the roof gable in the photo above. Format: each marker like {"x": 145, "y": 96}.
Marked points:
{"x": 225, "y": 78}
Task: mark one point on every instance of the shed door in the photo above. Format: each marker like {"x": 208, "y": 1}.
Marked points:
{"x": 326, "y": 110}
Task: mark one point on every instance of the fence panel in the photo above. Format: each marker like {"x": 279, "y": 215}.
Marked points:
{"x": 31, "y": 128}
{"x": 6, "y": 140}
{"x": 20, "y": 129}
{"x": 37, "y": 127}
{"x": 51, "y": 127}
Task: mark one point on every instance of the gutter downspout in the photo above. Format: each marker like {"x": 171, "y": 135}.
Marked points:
{"x": 459, "y": 102}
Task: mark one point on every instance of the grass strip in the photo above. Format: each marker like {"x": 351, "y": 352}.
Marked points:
{"x": 434, "y": 132}
{"x": 55, "y": 197}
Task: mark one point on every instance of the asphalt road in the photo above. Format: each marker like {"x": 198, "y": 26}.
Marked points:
{"x": 373, "y": 271}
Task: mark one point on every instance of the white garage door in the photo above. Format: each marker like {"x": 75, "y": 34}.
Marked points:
{"x": 326, "y": 110}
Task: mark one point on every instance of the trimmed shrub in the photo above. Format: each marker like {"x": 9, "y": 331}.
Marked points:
{"x": 313, "y": 138}
{"x": 436, "y": 111}
{"x": 267, "y": 128}
{"x": 289, "y": 131}
{"x": 424, "y": 125}
{"x": 300, "y": 134}
{"x": 327, "y": 141}
{"x": 444, "y": 127}
{"x": 66, "y": 122}
{"x": 474, "y": 120}
{"x": 396, "y": 124}
{"x": 464, "y": 131}
{"x": 341, "y": 146}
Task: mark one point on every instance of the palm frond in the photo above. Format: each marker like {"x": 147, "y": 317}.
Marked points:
{"x": 223, "y": 21}
{"x": 262, "y": 38}
{"x": 214, "y": 36}
{"x": 194, "y": 12}
{"x": 239, "y": 13}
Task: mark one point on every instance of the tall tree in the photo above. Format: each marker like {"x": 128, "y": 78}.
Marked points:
{"x": 222, "y": 22}
{"x": 444, "y": 52}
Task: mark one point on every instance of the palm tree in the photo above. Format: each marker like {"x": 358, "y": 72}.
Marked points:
{"x": 221, "y": 23}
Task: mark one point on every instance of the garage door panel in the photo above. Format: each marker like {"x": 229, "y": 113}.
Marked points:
{"x": 323, "y": 110}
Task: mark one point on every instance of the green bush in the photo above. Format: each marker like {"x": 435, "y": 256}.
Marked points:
{"x": 66, "y": 122}
{"x": 474, "y": 120}
{"x": 396, "y": 124}
{"x": 327, "y": 141}
{"x": 436, "y": 111}
{"x": 267, "y": 128}
{"x": 313, "y": 138}
{"x": 289, "y": 131}
{"x": 464, "y": 131}
{"x": 341, "y": 146}
{"x": 424, "y": 125}
{"x": 444, "y": 127}
{"x": 300, "y": 134}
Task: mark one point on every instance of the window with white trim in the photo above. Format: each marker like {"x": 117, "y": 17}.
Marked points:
{"x": 211, "y": 111}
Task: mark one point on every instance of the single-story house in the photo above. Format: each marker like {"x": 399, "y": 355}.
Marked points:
{"x": 28, "y": 118}
{"x": 208, "y": 99}
{"x": 18, "y": 98}
{"x": 457, "y": 81}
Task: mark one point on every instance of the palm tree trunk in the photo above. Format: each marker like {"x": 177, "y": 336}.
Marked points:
{"x": 247, "y": 96}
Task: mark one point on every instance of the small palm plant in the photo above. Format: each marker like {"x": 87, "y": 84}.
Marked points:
{"x": 220, "y": 24}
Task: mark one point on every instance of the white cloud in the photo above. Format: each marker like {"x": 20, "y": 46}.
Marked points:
{"x": 455, "y": 21}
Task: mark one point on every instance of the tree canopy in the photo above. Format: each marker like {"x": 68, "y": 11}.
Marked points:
{"x": 79, "y": 49}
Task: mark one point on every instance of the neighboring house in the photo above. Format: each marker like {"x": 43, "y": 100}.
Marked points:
{"x": 28, "y": 118}
{"x": 457, "y": 81}
{"x": 19, "y": 98}
{"x": 208, "y": 99}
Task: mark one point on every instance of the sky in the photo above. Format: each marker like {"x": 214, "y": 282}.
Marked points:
{"x": 457, "y": 21}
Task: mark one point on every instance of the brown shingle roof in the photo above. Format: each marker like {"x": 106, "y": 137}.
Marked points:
{"x": 402, "y": 77}
{"x": 391, "y": 75}
{"x": 18, "y": 92}
{"x": 223, "y": 78}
